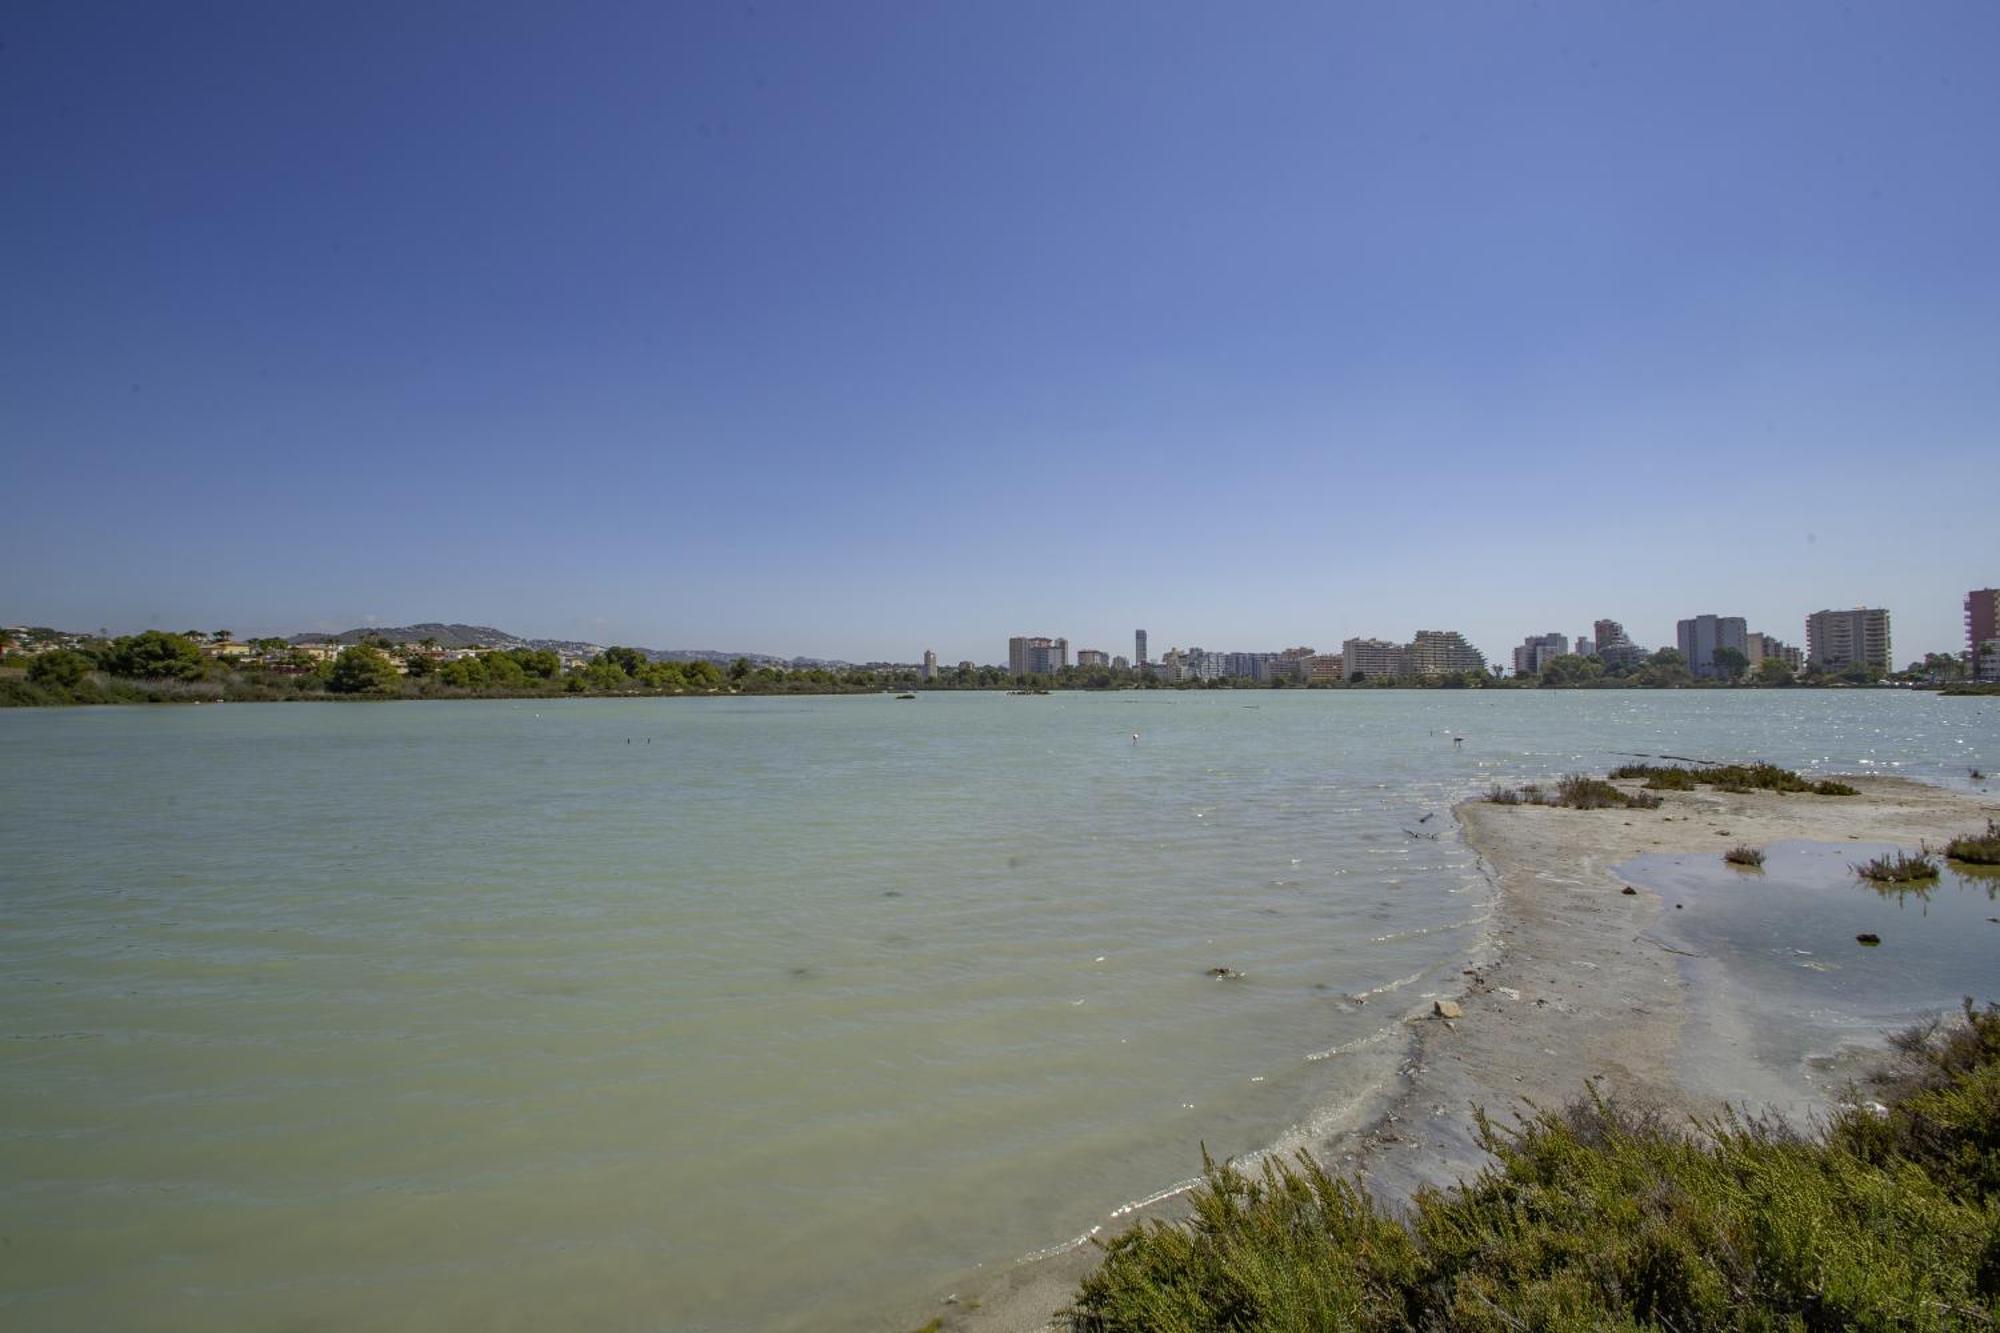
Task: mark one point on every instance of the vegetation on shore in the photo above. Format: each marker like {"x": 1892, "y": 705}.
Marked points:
{"x": 1577, "y": 792}
{"x": 1898, "y": 867}
{"x": 1745, "y": 855}
{"x": 1732, "y": 778}
{"x": 157, "y": 667}
{"x": 1601, "y": 1217}
{"x": 1979, "y": 849}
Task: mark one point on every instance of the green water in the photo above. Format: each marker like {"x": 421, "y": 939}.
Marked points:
{"x": 714, "y": 1014}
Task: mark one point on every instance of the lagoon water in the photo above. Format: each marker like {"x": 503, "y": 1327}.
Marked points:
{"x": 728, "y": 1014}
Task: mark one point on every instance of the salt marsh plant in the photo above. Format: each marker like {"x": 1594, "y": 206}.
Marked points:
{"x": 1751, "y": 858}
{"x": 1600, "y": 1217}
{"x": 1732, "y": 778}
{"x": 1979, "y": 849}
{"x": 1898, "y": 867}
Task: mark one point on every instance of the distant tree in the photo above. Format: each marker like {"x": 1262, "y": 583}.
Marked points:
{"x": 62, "y": 669}
{"x": 220, "y": 636}
{"x": 629, "y": 661}
{"x": 1667, "y": 657}
{"x": 467, "y": 673}
{"x": 739, "y": 668}
{"x": 702, "y": 675}
{"x": 662, "y": 676}
{"x": 503, "y": 672}
{"x": 603, "y": 674}
{"x": 541, "y": 663}
{"x": 1774, "y": 671}
{"x": 363, "y": 669}
{"x": 1731, "y": 663}
{"x": 419, "y": 665}
{"x": 193, "y": 635}
{"x": 269, "y": 645}
{"x": 1571, "y": 670}
{"x": 155, "y": 655}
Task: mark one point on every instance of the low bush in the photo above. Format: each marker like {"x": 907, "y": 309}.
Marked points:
{"x": 1601, "y": 1218}
{"x": 1732, "y": 778}
{"x": 1898, "y": 868}
{"x": 1980, "y": 849}
{"x": 1744, "y": 855}
{"x": 1500, "y": 795}
{"x": 1585, "y": 793}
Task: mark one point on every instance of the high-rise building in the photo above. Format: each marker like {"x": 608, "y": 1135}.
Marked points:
{"x": 1139, "y": 647}
{"x": 1982, "y": 629}
{"x": 1762, "y": 648}
{"x": 1325, "y": 668}
{"x": 1088, "y": 657}
{"x": 1703, "y": 636}
{"x": 1029, "y": 656}
{"x": 1442, "y": 652}
{"x": 1842, "y": 640}
{"x": 1538, "y": 650}
{"x": 1119, "y": 663}
{"x": 1614, "y": 647}
{"x": 1291, "y": 664}
{"x": 1374, "y": 657}
{"x": 930, "y": 664}
{"x": 1585, "y": 647}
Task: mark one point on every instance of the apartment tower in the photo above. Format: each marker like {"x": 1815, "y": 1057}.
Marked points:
{"x": 1843, "y": 640}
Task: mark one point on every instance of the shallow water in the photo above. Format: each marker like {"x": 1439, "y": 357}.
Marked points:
{"x": 1783, "y": 988}
{"x": 726, "y": 1014}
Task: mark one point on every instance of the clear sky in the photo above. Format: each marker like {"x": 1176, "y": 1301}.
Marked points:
{"x": 855, "y": 329}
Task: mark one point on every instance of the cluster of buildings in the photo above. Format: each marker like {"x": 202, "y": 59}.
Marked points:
{"x": 1835, "y": 642}
{"x": 1430, "y": 653}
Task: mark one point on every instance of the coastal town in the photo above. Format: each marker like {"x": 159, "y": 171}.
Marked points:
{"x": 1850, "y": 645}
{"x": 1841, "y": 648}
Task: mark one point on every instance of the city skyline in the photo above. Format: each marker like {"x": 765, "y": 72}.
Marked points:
{"x": 1062, "y": 645}
{"x": 772, "y": 328}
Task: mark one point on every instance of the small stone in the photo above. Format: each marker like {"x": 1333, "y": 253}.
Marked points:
{"x": 1868, "y": 937}
{"x": 1629, "y": 891}
{"x": 1447, "y": 1009}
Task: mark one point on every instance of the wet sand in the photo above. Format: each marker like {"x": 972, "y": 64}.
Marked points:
{"x": 1577, "y": 980}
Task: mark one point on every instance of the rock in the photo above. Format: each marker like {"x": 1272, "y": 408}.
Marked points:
{"x": 1868, "y": 938}
{"x": 1225, "y": 974}
{"x": 1447, "y": 1009}
{"x": 1629, "y": 891}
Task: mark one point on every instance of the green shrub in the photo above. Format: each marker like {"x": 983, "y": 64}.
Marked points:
{"x": 1898, "y": 868}
{"x": 1500, "y": 795}
{"x": 1980, "y": 849}
{"x": 1601, "y": 1218}
{"x": 1585, "y": 793}
{"x": 1736, "y": 778}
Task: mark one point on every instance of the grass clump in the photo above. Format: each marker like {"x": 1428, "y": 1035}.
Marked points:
{"x": 1576, "y": 791}
{"x": 1898, "y": 867}
{"x": 1979, "y": 849}
{"x": 1732, "y": 778}
{"x": 1597, "y": 1217}
{"x": 1745, "y": 855}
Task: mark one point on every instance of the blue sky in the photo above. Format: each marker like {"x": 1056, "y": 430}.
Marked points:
{"x": 851, "y": 330}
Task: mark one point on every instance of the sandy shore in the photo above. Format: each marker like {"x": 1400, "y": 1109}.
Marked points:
{"x": 1574, "y": 982}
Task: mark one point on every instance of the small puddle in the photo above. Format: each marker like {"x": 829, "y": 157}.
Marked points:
{"x": 1784, "y": 999}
